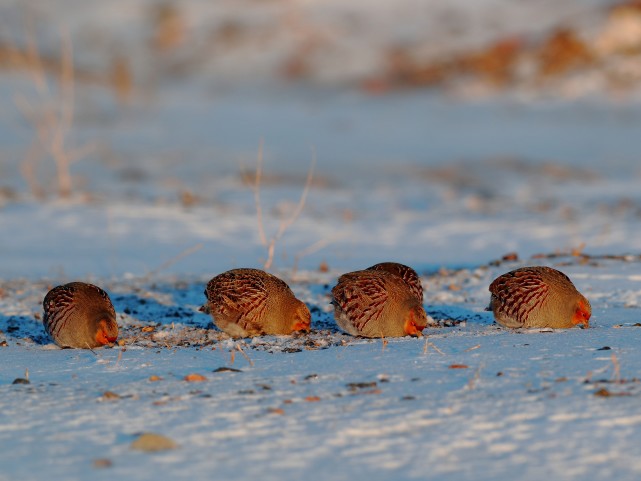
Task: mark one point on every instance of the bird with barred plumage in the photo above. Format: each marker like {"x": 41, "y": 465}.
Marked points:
{"x": 409, "y": 276}
{"x": 538, "y": 297}
{"x": 250, "y": 302}
{"x": 384, "y": 300}
{"x": 79, "y": 315}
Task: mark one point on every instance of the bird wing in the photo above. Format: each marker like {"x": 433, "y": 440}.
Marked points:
{"x": 57, "y": 305}
{"x": 409, "y": 276}
{"x": 242, "y": 298}
{"x": 361, "y": 297}
{"x": 518, "y": 293}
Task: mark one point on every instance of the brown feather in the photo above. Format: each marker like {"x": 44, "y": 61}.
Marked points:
{"x": 251, "y": 302}
{"x": 406, "y": 273}
{"x": 72, "y": 313}
{"x": 376, "y": 303}
{"x": 534, "y": 297}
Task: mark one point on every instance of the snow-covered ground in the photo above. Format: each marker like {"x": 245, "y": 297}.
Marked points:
{"x": 469, "y": 401}
{"x": 163, "y": 199}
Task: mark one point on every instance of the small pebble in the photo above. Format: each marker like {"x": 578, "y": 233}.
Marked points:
{"x": 102, "y": 463}
{"x": 151, "y": 442}
{"x": 226, "y": 369}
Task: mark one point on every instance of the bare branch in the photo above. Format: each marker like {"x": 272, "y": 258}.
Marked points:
{"x": 67, "y": 82}
{"x": 51, "y": 117}
{"x": 65, "y": 119}
{"x": 34, "y": 59}
{"x": 259, "y": 210}
{"x": 187, "y": 252}
{"x": 240, "y": 349}
{"x": 285, "y": 223}
{"x": 616, "y": 368}
{"x": 315, "y": 247}
{"x": 301, "y": 203}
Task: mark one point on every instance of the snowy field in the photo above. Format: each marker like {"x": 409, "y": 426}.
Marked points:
{"x": 469, "y": 401}
{"x": 446, "y": 180}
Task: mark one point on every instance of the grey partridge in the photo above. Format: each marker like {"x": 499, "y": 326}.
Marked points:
{"x": 406, "y": 273}
{"x": 377, "y": 303}
{"x": 79, "y": 315}
{"x": 251, "y": 302}
{"x": 538, "y": 297}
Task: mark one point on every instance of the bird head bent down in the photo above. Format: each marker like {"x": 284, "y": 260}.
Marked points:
{"x": 302, "y": 318}
{"x": 582, "y": 312}
{"x": 415, "y": 321}
{"x": 106, "y": 331}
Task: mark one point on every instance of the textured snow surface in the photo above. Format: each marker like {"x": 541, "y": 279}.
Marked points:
{"x": 468, "y": 401}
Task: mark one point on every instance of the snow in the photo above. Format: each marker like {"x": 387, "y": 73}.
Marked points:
{"x": 522, "y": 403}
{"x": 447, "y": 184}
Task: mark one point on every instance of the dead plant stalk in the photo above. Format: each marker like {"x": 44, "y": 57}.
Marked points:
{"x": 315, "y": 247}
{"x": 616, "y": 368}
{"x": 285, "y": 223}
{"x": 52, "y": 118}
{"x": 168, "y": 263}
{"x": 247, "y": 358}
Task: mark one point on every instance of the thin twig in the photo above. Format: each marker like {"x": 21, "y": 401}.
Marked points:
{"x": 285, "y": 223}
{"x": 434, "y": 346}
{"x": 301, "y": 202}
{"x": 474, "y": 379}
{"x": 616, "y": 368}
{"x": 315, "y": 247}
{"x": 34, "y": 59}
{"x": 259, "y": 210}
{"x": 251, "y": 363}
{"x": 173, "y": 260}
{"x": 118, "y": 359}
{"x": 65, "y": 119}
{"x": 52, "y": 116}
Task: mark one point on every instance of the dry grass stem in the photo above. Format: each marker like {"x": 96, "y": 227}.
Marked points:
{"x": 616, "y": 367}
{"x": 315, "y": 247}
{"x": 259, "y": 209}
{"x": 285, "y": 223}
{"x": 118, "y": 359}
{"x": 474, "y": 379}
{"x": 51, "y": 116}
{"x": 428, "y": 344}
{"x": 384, "y": 343}
{"x": 66, "y": 114}
{"x": 240, "y": 349}
{"x": 168, "y": 263}
{"x": 33, "y": 58}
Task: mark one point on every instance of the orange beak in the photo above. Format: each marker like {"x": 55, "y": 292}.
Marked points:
{"x": 581, "y": 317}
{"x": 411, "y": 329}
{"x": 300, "y": 326}
{"x": 103, "y": 338}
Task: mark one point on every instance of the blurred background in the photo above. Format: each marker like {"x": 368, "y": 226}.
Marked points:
{"x": 440, "y": 132}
